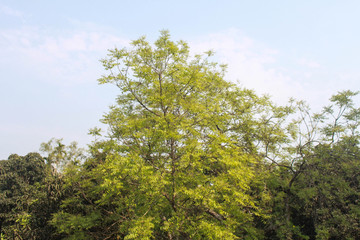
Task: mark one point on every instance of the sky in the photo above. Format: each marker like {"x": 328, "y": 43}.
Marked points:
{"x": 50, "y": 52}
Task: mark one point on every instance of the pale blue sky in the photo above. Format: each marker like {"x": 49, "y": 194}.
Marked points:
{"x": 50, "y": 51}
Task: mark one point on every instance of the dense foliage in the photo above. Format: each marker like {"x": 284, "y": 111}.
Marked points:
{"x": 29, "y": 196}
{"x": 189, "y": 155}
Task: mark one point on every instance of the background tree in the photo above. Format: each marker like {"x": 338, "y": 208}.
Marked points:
{"x": 31, "y": 189}
{"x": 21, "y": 189}
{"x": 58, "y": 155}
{"x": 312, "y": 184}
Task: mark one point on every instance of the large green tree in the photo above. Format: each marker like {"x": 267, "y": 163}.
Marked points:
{"x": 183, "y": 154}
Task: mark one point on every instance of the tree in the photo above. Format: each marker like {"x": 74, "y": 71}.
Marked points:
{"x": 59, "y": 156}
{"x": 329, "y": 191}
{"x": 24, "y": 214}
{"x": 182, "y": 151}
{"x": 314, "y": 184}
{"x": 31, "y": 190}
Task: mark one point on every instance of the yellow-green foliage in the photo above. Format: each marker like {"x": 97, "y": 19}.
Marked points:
{"x": 183, "y": 152}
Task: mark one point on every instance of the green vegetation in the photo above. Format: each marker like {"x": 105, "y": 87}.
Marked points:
{"x": 189, "y": 155}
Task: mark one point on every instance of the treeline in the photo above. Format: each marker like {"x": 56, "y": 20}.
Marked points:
{"x": 188, "y": 155}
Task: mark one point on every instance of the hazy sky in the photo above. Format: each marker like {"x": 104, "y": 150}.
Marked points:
{"x": 50, "y": 52}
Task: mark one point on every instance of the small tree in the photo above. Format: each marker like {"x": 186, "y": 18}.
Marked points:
{"x": 59, "y": 156}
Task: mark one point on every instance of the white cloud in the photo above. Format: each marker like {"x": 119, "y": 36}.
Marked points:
{"x": 250, "y": 63}
{"x": 254, "y": 65}
{"x": 11, "y": 12}
{"x": 309, "y": 63}
{"x": 69, "y": 58}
